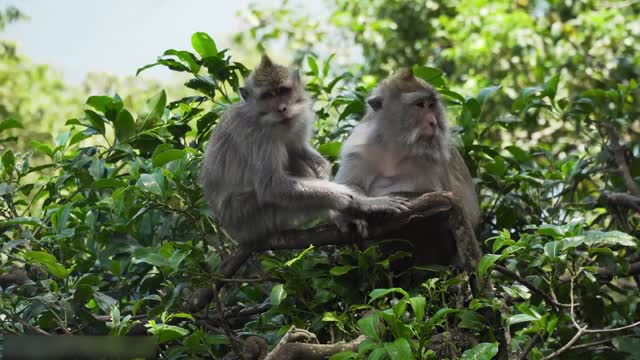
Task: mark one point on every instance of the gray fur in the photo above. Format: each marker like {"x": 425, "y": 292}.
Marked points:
{"x": 260, "y": 174}
{"x": 417, "y": 164}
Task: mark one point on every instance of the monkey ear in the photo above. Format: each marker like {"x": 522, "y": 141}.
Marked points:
{"x": 265, "y": 62}
{"x": 296, "y": 76}
{"x": 244, "y": 93}
{"x": 406, "y": 73}
{"x": 375, "y": 102}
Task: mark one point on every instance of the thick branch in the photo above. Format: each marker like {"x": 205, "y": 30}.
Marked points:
{"x": 301, "y": 344}
{"x": 621, "y": 161}
{"x": 624, "y": 200}
{"x": 424, "y": 207}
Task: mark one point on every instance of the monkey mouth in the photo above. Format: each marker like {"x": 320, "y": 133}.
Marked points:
{"x": 286, "y": 120}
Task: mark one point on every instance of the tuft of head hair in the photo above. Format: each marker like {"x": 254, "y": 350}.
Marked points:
{"x": 402, "y": 81}
{"x": 269, "y": 74}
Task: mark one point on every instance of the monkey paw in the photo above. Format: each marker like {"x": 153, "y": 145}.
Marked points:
{"x": 385, "y": 204}
{"x": 345, "y": 224}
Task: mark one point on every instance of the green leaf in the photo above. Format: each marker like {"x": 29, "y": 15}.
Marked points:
{"x": 150, "y": 183}
{"x": 330, "y": 149}
{"x": 109, "y": 106}
{"x": 376, "y": 293}
{"x": 152, "y": 257}
{"x": 440, "y": 313}
{"x": 629, "y": 345}
{"x": 341, "y": 270}
{"x": 400, "y": 349}
{"x": 344, "y": 355}
{"x": 108, "y": 184}
{"x": 49, "y": 261}
{"x": 486, "y": 93}
{"x": 124, "y": 126}
{"x": 97, "y": 121}
{"x": 10, "y": 123}
{"x": 474, "y": 107}
{"x": 486, "y": 262}
{"x": 152, "y": 111}
{"x": 77, "y": 137}
{"x": 354, "y": 107}
{"x": 167, "y": 333}
{"x": 378, "y": 353}
{"x": 330, "y": 317}
{"x": 24, "y": 220}
{"x": 520, "y": 318}
{"x": 203, "y": 44}
{"x": 8, "y": 161}
{"x": 427, "y": 73}
{"x": 370, "y": 326}
{"x": 418, "y": 304}
{"x": 471, "y": 320}
{"x": 43, "y": 148}
{"x": 313, "y": 65}
{"x": 104, "y": 301}
{"x": 186, "y": 57}
{"x": 166, "y": 156}
{"x": 552, "y": 249}
{"x": 482, "y": 351}
{"x": 277, "y": 295}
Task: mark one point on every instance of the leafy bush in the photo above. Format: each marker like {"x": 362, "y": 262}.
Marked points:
{"x": 111, "y": 235}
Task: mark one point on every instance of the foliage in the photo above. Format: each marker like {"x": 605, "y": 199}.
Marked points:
{"x": 113, "y": 223}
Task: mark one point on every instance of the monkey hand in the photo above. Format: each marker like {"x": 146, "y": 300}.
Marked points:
{"x": 381, "y": 204}
{"x": 346, "y": 223}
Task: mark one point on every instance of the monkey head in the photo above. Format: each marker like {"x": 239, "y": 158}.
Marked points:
{"x": 408, "y": 111}
{"x": 276, "y": 93}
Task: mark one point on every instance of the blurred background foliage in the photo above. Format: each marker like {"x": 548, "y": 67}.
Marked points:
{"x": 102, "y": 213}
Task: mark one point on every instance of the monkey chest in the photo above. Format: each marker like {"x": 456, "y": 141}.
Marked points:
{"x": 405, "y": 176}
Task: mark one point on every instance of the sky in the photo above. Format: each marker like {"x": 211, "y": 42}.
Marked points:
{"x": 117, "y": 36}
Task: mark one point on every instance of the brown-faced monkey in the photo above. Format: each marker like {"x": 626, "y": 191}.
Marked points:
{"x": 260, "y": 174}
{"x": 403, "y": 146}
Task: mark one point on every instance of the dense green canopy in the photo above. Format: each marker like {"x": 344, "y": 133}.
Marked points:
{"x": 104, "y": 230}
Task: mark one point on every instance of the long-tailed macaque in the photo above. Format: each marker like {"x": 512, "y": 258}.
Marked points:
{"x": 403, "y": 147}
{"x": 260, "y": 174}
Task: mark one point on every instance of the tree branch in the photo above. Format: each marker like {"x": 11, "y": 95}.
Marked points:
{"x": 424, "y": 207}
{"x": 621, "y": 160}
{"x": 619, "y": 199}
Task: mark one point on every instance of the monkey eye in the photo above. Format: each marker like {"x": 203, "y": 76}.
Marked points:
{"x": 420, "y": 104}
{"x": 283, "y": 91}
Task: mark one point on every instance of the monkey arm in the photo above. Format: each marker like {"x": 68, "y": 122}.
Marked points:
{"x": 275, "y": 186}
{"x": 354, "y": 172}
{"x": 308, "y": 162}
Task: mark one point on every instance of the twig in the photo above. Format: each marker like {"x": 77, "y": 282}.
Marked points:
{"x": 527, "y": 349}
{"x": 583, "y": 330}
{"x": 599, "y": 342}
{"x": 599, "y": 331}
{"x": 530, "y": 286}
{"x": 22, "y": 322}
{"x": 568, "y": 345}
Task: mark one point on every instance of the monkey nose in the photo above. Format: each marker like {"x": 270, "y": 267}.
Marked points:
{"x": 282, "y": 108}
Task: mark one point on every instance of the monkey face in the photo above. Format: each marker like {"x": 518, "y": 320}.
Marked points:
{"x": 412, "y": 117}
{"x": 281, "y": 105}
{"x": 422, "y": 113}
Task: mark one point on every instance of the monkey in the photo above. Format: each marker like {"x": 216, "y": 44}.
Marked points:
{"x": 260, "y": 174}
{"x": 403, "y": 147}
